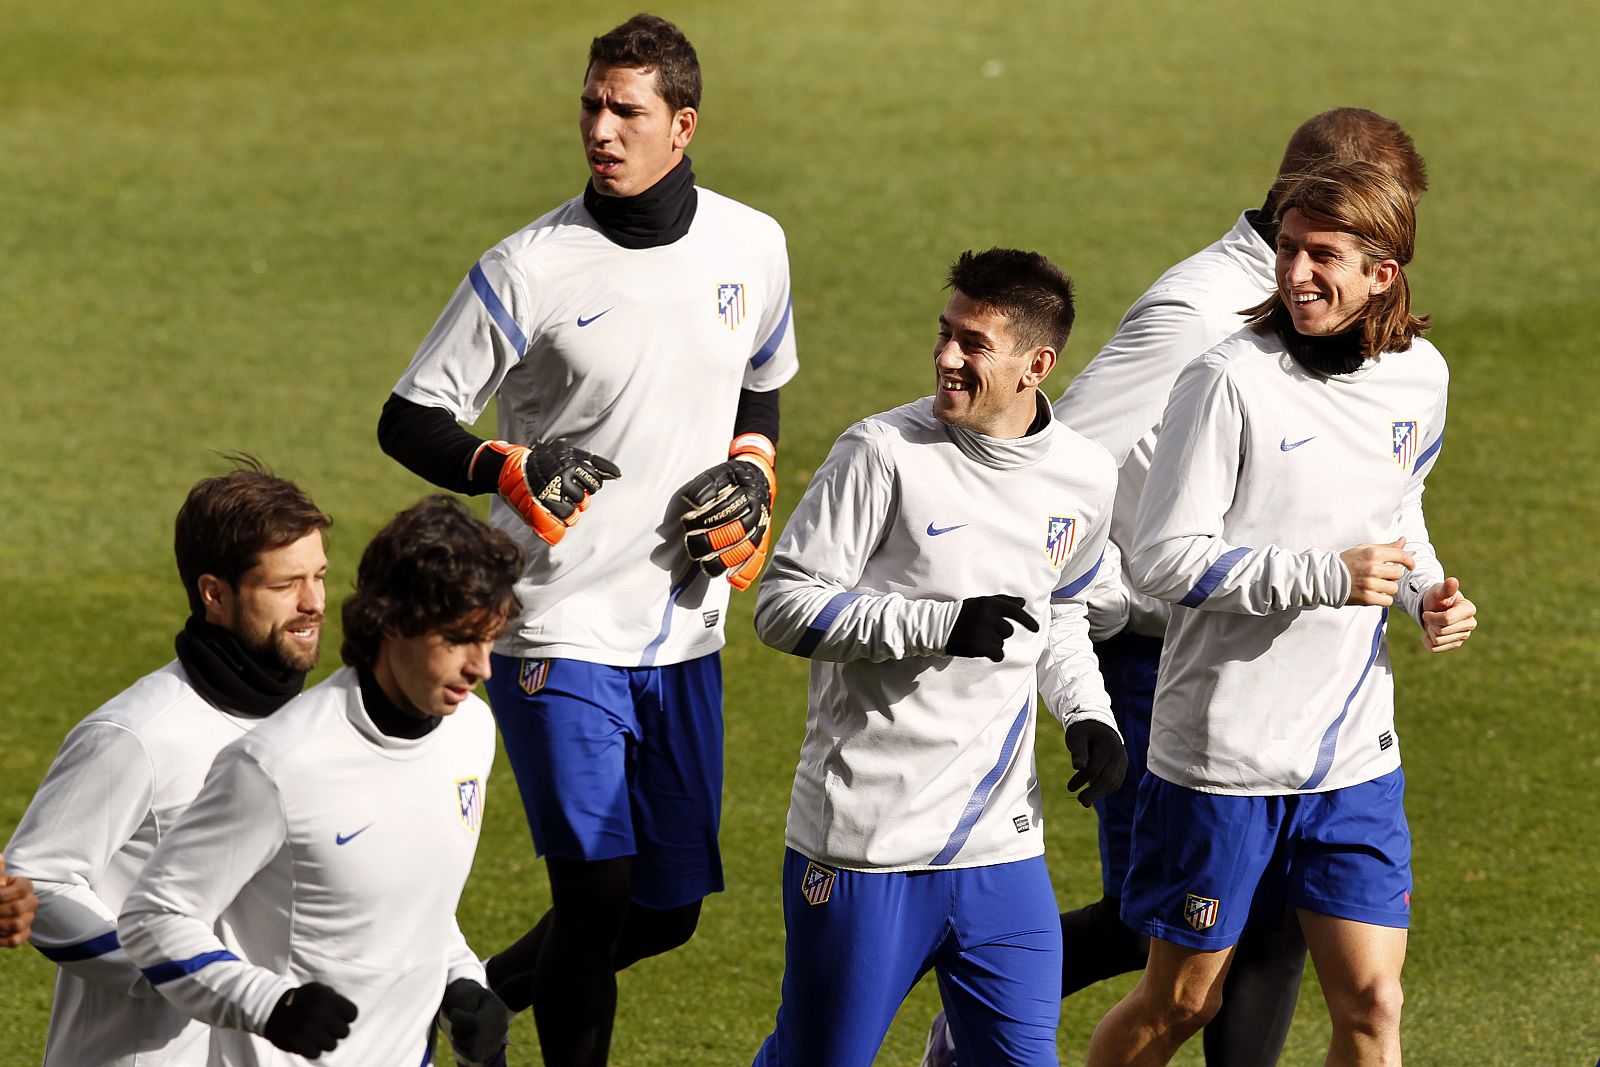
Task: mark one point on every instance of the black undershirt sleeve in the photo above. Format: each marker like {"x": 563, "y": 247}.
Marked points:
{"x": 428, "y": 442}
{"x": 757, "y": 413}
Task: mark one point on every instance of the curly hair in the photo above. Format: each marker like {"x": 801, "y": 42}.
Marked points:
{"x": 649, "y": 42}
{"x": 1032, "y": 293}
{"x": 434, "y": 567}
{"x": 227, "y": 522}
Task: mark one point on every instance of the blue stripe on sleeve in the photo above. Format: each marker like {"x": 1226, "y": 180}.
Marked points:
{"x": 1213, "y": 577}
{"x": 980, "y": 795}
{"x": 1427, "y": 453}
{"x": 497, "y": 311}
{"x": 819, "y": 626}
{"x": 1072, "y": 589}
{"x": 1330, "y": 737}
{"x": 165, "y": 972}
{"x": 83, "y": 950}
{"x": 770, "y": 349}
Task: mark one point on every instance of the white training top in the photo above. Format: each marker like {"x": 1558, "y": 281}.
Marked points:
{"x": 637, "y": 355}
{"x": 337, "y": 855}
{"x": 1117, "y": 400}
{"x": 914, "y": 759}
{"x": 1264, "y": 473}
{"x": 122, "y": 778}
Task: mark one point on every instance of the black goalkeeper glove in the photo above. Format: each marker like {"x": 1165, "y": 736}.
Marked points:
{"x": 983, "y": 625}
{"x": 727, "y": 513}
{"x": 1099, "y": 758}
{"x": 309, "y": 1020}
{"x": 475, "y": 1021}
{"x": 549, "y": 485}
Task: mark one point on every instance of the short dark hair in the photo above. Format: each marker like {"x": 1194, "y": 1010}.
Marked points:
{"x": 434, "y": 566}
{"x": 227, "y": 522}
{"x": 649, "y": 42}
{"x": 1032, "y": 292}
{"x": 1353, "y": 134}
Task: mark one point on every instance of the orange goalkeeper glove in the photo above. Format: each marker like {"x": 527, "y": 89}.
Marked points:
{"x": 728, "y": 511}
{"x": 548, "y": 485}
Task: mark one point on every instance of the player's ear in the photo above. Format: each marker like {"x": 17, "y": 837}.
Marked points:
{"x": 1383, "y": 275}
{"x": 1041, "y": 361}
{"x": 684, "y": 121}
{"x": 213, "y": 590}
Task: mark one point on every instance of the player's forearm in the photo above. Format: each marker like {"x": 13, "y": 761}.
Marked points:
{"x": 1069, "y": 673}
{"x": 77, "y": 931}
{"x": 1208, "y": 574}
{"x": 806, "y": 617}
{"x": 185, "y": 963}
{"x": 757, "y": 413}
{"x": 429, "y": 443}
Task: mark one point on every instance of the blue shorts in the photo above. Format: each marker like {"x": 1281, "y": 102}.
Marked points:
{"x": 857, "y": 941}
{"x": 1204, "y": 864}
{"x": 619, "y": 761}
{"x": 1128, "y": 662}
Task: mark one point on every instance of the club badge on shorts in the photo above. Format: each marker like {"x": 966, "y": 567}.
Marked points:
{"x": 1059, "y": 535}
{"x": 1201, "y": 912}
{"x": 469, "y": 794}
{"x": 816, "y": 885}
{"x": 532, "y": 675}
{"x": 730, "y": 304}
{"x": 1404, "y": 442}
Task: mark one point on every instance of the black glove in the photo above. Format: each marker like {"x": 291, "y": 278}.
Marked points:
{"x": 984, "y": 624}
{"x": 310, "y": 1020}
{"x": 1099, "y": 759}
{"x": 548, "y": 485}
{"x": 474, "y": 1020}
{"x": 726, "y": 513}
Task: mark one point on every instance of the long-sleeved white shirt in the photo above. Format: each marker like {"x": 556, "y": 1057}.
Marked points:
{"x": 121, "y": 780}
{"x": 1117, "y": 400}
{"x": 1263, "y": 475}
{"x": 912, "y": 758}
{"x": 336, "y": 854}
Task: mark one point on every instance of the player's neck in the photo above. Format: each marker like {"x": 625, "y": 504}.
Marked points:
{"x": 390, "y": 719}
{"x": 658, "y": 216}
{"x": 1328, "y": 355}
{"x": 228, "y": 676}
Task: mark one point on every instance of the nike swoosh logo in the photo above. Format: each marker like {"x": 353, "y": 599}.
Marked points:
{"x": 1289, "y": 446}
{"x": 345, "y": 839}
{"x": 582, "y": 322}
{"x": 934, "y": 531}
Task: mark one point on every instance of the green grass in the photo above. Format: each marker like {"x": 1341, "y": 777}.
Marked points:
{"x": 228, "y": 227}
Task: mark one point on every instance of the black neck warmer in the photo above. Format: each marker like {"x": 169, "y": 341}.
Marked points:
{"x": 228, "y": 676}
{"x": 658, "y": 216}
{"x": 1337, "y": 353}
{"x": 1263, "y": 220}
{"x": 386, "y": 714}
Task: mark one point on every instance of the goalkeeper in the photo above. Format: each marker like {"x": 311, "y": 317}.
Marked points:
{"x": 634, "y": 340}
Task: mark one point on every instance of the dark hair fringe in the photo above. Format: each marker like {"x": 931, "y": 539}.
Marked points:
{"x": 650, "y": 42}
{"x": 1032, "y": 292}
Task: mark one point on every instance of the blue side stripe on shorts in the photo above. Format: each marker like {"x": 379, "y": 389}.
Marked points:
{"x": 1213, "y": 577}
{"x": 1330, "y": 738}
{"x": 1072, "y": 589}
{"x": 819, "y": 626}
{"x": 497, "y": 311}
{"x": 650, "y": 650}
{"x": 166, "y": 972}
{"x": 83, "y": 950}
{"x": 1427, "y": 453}
{"x": 770, "y": 349}
{"x": 980, "y": 795}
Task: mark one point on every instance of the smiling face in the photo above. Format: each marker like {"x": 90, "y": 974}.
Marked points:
{"x": 1324, "y": 279}
{"x": 631, "y": 137}
{"x": 432, "y": 674}
{"x": 985, "y": 381}
{"x": 276, "y": 609}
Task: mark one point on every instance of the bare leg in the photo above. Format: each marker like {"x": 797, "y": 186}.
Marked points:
{"x": 1179, "y": 992}
{"x": 1359, "y": 967}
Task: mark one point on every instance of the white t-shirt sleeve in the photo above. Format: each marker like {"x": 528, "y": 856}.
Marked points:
{"x": 96, "y": 794}
{"x": 483, "y": 332}
{"x": 809, "y": 603}
{"x": 1069, "y": 672}
{"x": 775, "y": 360}
{"x": 1179, "y": 552}
{"x": 234, "y": 828}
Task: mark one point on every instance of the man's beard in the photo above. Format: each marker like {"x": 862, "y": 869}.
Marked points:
{"x": 278, "y": 651}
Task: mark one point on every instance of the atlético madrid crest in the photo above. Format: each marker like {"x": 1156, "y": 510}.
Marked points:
{"x": 1404, "y": 443}
{"x": 469, "y": 793}
{"x": 532, "y": 674}
{"x": 1059, "y": 535}
{"x": 730, "y": 304}
{"x": 1201, "y": 912}
{"x": 816, "y": 885}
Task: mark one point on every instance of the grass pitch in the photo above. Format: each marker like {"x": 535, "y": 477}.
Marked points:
{"x": 229, "y": 228}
